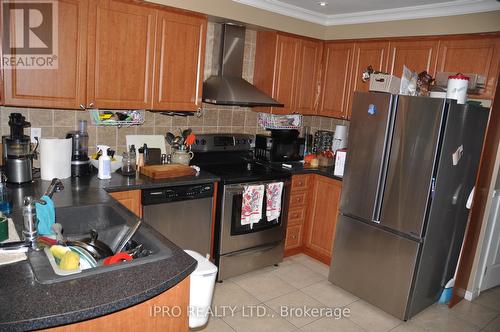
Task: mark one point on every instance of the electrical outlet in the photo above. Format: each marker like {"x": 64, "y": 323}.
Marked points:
{"x": 35, "y": 132}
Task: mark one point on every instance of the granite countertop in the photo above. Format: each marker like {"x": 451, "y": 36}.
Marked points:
{"x": 299, "y": 168}
{"x": 27, "y": 304}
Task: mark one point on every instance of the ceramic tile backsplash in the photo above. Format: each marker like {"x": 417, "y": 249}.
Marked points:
{"x": 213, "y": 119}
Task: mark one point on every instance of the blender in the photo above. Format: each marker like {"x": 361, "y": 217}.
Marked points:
{"x": 80, "y": 162}
{"x": 17, "y": 154}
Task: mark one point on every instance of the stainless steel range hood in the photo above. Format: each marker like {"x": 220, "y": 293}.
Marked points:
{"x": 228, "y": 87}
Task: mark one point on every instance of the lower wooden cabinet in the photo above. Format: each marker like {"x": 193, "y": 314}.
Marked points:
{"x": 325, "y": 199}
{"x": 130, "y": 199}
{"x": 142, "y": 317}
{"x": 312, "y": 216}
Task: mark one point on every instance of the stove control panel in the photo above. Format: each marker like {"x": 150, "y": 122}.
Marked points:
{"x": 223, "y": 142}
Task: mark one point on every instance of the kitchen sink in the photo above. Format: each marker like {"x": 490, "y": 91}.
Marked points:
{"x": 109, "y": 221}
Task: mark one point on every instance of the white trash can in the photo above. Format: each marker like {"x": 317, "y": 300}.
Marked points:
{"x": 201, "y": 290}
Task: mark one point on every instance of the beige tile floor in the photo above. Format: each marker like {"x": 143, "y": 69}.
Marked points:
{"x": 302, "y": 281}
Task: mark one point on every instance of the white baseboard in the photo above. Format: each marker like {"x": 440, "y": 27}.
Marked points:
{"x": 470, "y": 296}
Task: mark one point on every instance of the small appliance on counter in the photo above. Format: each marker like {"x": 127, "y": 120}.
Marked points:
{"x": 17, "y": 154}
{"x": 80, "y": 161}
{"x": 283, "y": 145}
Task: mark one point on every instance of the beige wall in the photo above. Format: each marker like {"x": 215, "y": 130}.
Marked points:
{"x": 247, "y": 14}
{"x": 471, "y": 23}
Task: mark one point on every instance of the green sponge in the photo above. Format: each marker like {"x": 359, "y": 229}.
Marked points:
{"x": 4, "y": 228}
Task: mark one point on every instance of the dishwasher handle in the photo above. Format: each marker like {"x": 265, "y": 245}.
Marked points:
{"x": 176, "y": 193}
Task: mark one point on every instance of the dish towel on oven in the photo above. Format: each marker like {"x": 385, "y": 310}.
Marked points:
{"x": 273, "y": 200}
{"x": 251, "y": 205}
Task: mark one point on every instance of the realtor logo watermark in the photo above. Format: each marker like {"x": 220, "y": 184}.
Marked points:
{"x": 30, "y": 34}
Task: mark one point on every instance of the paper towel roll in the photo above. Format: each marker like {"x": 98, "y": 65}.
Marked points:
{"x": 55, "y": 158}
{"x": 339, "y": 138}
{"x": 340, "y": 132}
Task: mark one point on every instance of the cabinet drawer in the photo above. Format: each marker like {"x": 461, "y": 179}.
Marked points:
{"x": 293, "y": 236}
{"x": 300, "y": 182}
{"x": 298, "y": 199}
{"x": 297, "y": 216}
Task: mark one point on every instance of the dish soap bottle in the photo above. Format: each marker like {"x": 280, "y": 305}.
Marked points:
{"x": 104, "y": 163}
{"x": 5, "y": 197}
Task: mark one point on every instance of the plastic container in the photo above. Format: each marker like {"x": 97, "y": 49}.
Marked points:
{"x": 202, "y": 283}
{"x": 104, "y": 163}
{"x": 5, "y": 196}
{"x": 457, "y": 88}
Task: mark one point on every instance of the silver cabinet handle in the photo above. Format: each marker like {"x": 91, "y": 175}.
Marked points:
{"x": 82, "y": 106}
{"x": 91, "y": 105}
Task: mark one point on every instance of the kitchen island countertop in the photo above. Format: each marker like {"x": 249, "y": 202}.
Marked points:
{"x": 26, "y": 304}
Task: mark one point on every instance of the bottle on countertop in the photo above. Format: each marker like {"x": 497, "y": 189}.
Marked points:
{"x": 140, "y": 158}
{"x": 104, "y": 172}
{"x": 5, "y": 196}
{"x": 132, "y": 154}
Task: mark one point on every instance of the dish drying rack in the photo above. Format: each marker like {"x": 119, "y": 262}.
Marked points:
{"x": 138, "y": 117}
{"x": 273, "y": 121}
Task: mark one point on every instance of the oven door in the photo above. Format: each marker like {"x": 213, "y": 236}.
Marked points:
{"x": 235, "y": 236}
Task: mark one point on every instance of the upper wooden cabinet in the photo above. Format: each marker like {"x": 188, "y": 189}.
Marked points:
{"x": 63, "y": 87}
{"x": 478, "y": 55}
{"x": 335, "y": 81}
{"x": 287, "y": 68}
{"x": 417, "y": 55}
{"x": 180, "y": 54}
{"x": 366, "y": 54}
{"x": 307, "y": 87}
{"x": 120, "y": 55}
{"x": 285, "y": 73}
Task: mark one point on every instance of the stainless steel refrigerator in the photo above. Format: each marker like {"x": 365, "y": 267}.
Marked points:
{"x": 411, "y": 164}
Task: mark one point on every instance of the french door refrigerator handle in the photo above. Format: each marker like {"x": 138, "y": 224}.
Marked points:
{"x": 387, "y": 153}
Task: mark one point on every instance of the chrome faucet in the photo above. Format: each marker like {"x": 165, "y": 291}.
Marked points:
{"x": 30, "y": 232}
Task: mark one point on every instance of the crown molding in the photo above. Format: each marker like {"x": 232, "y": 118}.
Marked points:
{"x": 450, "y": 8}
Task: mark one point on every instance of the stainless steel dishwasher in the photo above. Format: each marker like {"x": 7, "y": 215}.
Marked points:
{"x": 183, "y": 214}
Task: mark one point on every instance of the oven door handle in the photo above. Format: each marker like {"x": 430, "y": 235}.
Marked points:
{"x": 250, "y": 251}
{"x": 235, "y": 188}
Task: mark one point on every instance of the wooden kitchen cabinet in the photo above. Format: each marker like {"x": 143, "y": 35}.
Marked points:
{"x": 180, "y": 56}
{"x": 120, "y": 55}
{"x": 478, "y": 55}
{"x": 63, "y": 87}
{"x": 307, "y": 85}
{"x": 366, "y": 54}
{"x": 130, "y": 199}
{"x": 322, "y": 219}
{"x": 418, "y": 55}
{"x": 287, "y": 68}
{"x": 335, "y": 82}
{"x": 141, "y": 317}
{"x": 286, "y": 71}
{"x": 297, "y": 212}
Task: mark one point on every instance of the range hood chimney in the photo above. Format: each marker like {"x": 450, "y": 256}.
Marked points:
{"x": 228, "y": 87}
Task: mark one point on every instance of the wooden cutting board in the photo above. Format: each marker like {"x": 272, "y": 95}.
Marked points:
{"x": 167, "y": 171}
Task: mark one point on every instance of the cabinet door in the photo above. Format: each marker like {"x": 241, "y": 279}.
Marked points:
{"x": 417, "y": 55}
{"x": 63, "y": 87}
{"x": 121, "y": 54}
{"x": 307, "y": 86}
{"x": 180, "y": 56}
{"x": 337, "y": 58}
{"x": 323, "y": 216}
{"x": 366, "y": 54}
{"x": 472, "y": 55}
{"x": 287, "y": 59}
{"x": 130, "y": 199}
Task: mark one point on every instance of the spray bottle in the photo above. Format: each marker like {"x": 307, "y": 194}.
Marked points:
{"x": 104, "y": 163}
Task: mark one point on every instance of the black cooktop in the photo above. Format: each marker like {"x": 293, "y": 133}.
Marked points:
{"x": 244, "y": 172}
